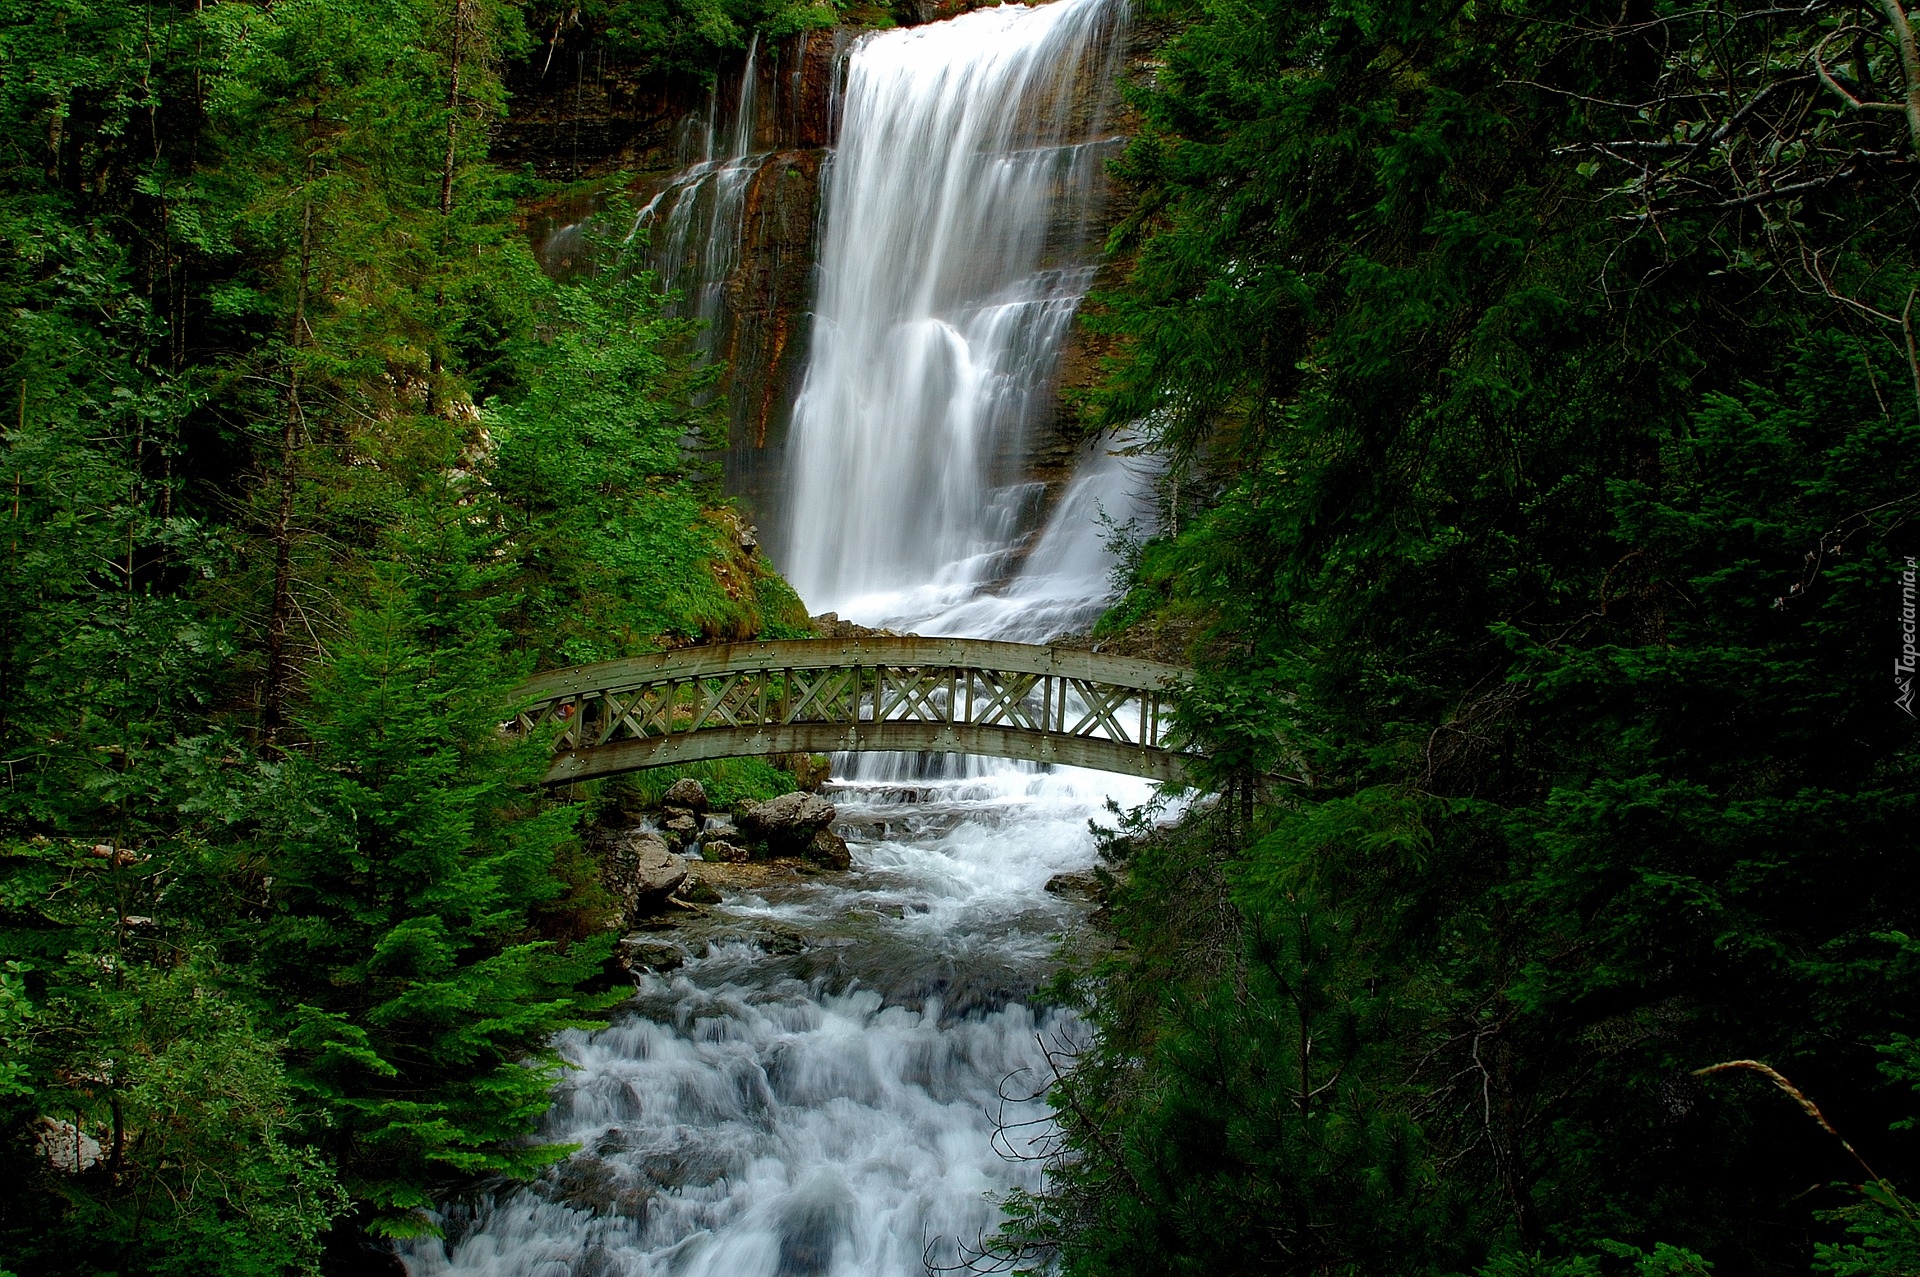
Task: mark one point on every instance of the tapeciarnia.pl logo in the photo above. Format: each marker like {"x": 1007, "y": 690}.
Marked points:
{"x": 1903, "y": 664}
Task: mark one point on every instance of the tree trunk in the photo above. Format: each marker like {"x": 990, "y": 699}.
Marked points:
{"x": 453, "y": 108}
{"x": 274, "y": 698}
{"x": 1909, "y": 66}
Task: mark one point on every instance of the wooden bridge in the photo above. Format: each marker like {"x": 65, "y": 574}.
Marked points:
{"x": 962, "y": 696}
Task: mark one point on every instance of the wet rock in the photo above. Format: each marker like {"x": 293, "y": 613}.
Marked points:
{"x": 633, "y": 1203}
{"x": 586, "y": 1183}
{"x": 685, "y": 794}
{"x": 723, "y": 850}
{"x": 788, "y": 823}
{"x": 829, "y": 625}
{"x": 599, "y": 1261}
{"x": 819, "y": 1216}
{"x": 646, "y": 953}
{"x": 698, "y": 891}
{"x": 778, "y": 941}
{"x": 829, "y": 851}
{"x": 725, "y": 830}
{"x": 642, "y": 872}
{"x": 680, "y": 829}
{"x": 1078, "y": 886}
{"x": 689, "y": 1164}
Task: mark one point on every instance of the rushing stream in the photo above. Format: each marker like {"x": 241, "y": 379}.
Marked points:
{"x": 821, "y": 1087}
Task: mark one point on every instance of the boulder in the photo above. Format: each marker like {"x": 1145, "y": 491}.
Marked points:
{"x": 698, "y": 891}
{"x": 641, "y": 873}
{"x": 788, "y": 823}
{"x": 687, "y": 794}
{"x": 1080, "y": 886}
{"x": 657, "y": 871}
{"x": 829, "y": 851}
{"x": 723, "y": 850}
{"x": 680, "y": 829}
{"x": 645, "y": 953}
{"x": 66, "y": 1147}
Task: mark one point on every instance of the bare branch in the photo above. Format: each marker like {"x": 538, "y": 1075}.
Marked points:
{"x": 1909, "y": 65}
{"x": 1827, "y": 76}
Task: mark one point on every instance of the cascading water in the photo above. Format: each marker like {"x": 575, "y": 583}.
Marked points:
{"x": 953, "y": 255}
{"x": 694, "y": 222}
{"x": 820, "y": 1090}
{"x": 1064, "y": 583}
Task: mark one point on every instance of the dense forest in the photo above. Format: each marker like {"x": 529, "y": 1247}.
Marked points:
{"x": 1543, "y": 389}
{"x": 1538, "y": 391}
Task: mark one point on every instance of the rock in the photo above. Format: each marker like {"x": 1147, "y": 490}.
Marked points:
{"x": 698, "y": 891}
{"x": 686, "y": 794}
{"x": 829, "y": 851}
{"x": 644, "y": 953}
{"x": 724, "y": 851}
{"x": 657, "y": 871}
{"x": 776, "y": 940}
{"x": 725, "y": 830}
{"x": 788, "y": 823}
{"x": 641, "y": 873}
{"x": 810, "y": 771}
{"x": 680, "y": 828}
{"x": 1083, "y": 886}
{"x": 66, "y": 1147}
{"x": 585, "y": 1183}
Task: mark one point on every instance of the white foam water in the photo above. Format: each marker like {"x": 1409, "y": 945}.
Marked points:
{"x": 1063, "y": 584}
{"x": 849, "y": 1109}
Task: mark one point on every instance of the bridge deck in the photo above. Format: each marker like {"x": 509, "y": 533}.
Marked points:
{"x": 971, "y": 696}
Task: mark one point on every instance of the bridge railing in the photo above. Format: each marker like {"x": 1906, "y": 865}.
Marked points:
{"x": 950, "y": 684}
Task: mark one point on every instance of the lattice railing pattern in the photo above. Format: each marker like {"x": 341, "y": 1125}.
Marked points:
{"x": 1067, "y": 694}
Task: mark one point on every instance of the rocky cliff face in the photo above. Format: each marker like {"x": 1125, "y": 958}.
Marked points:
{"x": 580, "y": 116}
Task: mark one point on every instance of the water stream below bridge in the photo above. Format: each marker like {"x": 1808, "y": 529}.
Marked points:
{"x": 821, "y": 1088}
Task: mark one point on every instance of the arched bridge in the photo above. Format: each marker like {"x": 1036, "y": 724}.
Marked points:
{"x": 963, "y": 696}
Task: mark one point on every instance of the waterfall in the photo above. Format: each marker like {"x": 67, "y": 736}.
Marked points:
{"x": 953, "y": 256}
{"x": 696, "y": 220}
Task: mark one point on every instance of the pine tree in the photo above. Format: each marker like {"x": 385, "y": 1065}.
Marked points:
{"x": 407, "y": 851}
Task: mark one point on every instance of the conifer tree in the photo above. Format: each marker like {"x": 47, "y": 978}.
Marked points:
{"x": 407, "y": 851}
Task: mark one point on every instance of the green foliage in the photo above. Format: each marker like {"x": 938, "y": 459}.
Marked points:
{"x": 407, "y": 853}
{"x": 1662, "y": 1261}
{"x": 730, "y": 783}
{"x": 214, "y": 1173}
{"x": 620, "y": 548}
{"x": 1883, "y": 1225}
{"x": 686, "y": 37}
{"x": 1882, "y": 1239}
{"x": 1552, "y": 546}
{"x": 1261, "y": 1132}
{"x": 171, "y": 1095}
